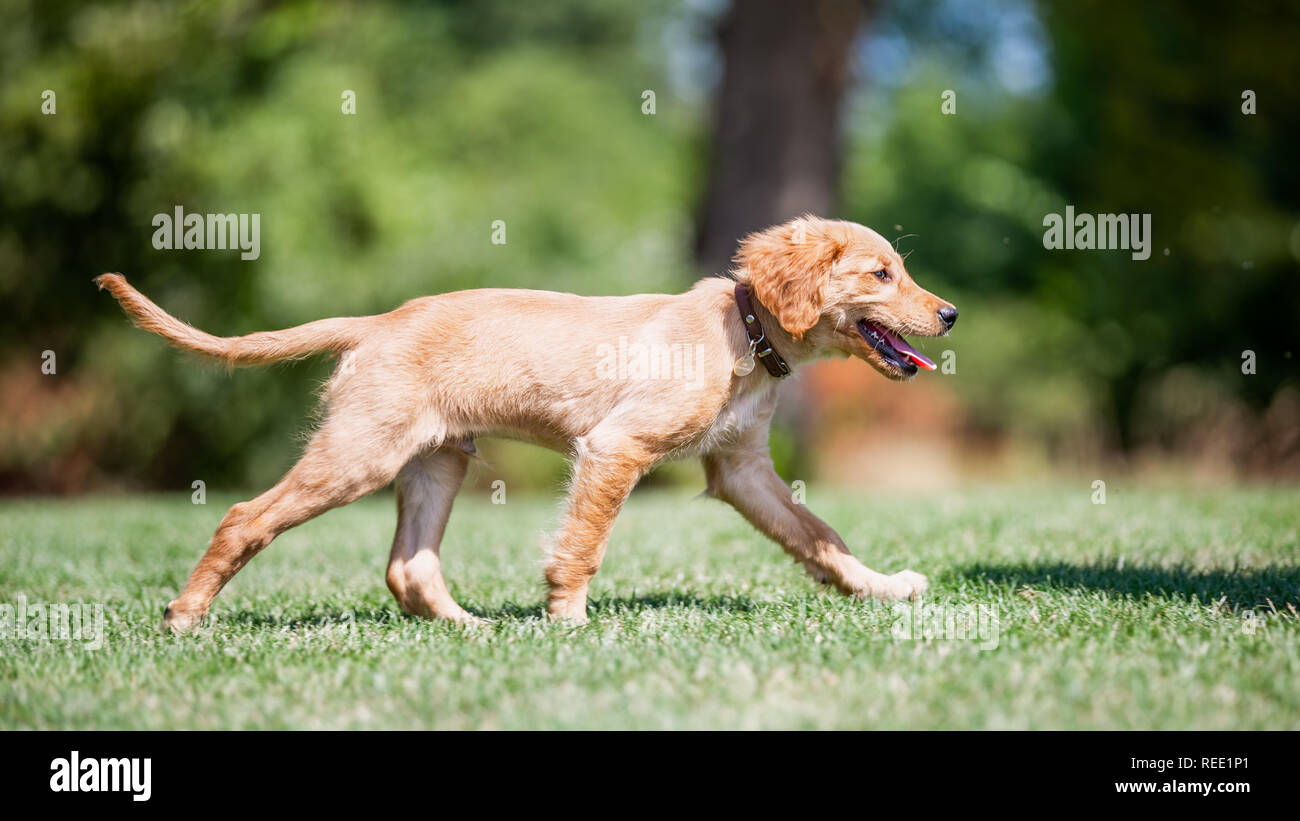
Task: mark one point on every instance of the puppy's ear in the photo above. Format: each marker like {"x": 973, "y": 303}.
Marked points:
{"x": 788, "y": 268}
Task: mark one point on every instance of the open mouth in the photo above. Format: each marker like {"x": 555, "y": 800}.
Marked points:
{"x": 893, "y": 348}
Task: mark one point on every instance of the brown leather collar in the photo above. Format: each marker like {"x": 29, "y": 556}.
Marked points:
{"x": 758, "y": 341}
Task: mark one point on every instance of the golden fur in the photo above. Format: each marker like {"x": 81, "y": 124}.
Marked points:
{"x": 416, "y": 385}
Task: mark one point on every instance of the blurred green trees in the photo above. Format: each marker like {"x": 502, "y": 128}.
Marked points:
{"x": 1111, "y": 108}
{"x": 466, "y": 114}
{"x": 531, "y": 114}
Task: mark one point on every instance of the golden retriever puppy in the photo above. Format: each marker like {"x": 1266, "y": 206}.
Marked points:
{"x": 618, "y": 383}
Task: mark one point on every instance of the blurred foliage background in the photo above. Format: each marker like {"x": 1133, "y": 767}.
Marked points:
{"x": 532, "y": 113}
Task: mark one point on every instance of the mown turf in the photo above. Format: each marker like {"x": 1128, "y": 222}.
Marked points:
{"x": 1160, "y": 609}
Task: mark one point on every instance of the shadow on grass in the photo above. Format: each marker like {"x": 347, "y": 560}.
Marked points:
{"x": 1247, "y": 587}
{"x": 610, "y": 605}
{"x": 329, "y": 616}
{"x": 316, "y": 617}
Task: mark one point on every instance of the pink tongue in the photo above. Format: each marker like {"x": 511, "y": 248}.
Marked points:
{"x": 902, "y": 347}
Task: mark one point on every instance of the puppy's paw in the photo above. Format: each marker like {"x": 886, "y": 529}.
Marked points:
{"x": 915, "y": 583}
{"x": 466, "y": 618}
{"x": 905, "y": 584}
{"x": 568, "y": 611}
{"x": 181, "y": 621}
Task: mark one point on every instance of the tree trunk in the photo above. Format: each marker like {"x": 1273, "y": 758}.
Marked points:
{"x": 776, "y": 151}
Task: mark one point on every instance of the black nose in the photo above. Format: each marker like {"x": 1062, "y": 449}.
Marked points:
{"x": 949, "y": 315}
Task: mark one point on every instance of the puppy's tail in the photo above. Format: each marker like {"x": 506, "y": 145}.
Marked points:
{"x": 334, "y": 335}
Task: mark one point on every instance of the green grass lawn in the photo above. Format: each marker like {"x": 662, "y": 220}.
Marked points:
{"x": 1161, "y": 609}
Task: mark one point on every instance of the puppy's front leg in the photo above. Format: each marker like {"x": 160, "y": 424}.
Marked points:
{"x": 744, "y": 478}
{"x": 604, "y": 473}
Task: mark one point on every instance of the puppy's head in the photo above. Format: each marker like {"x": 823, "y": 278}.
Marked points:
{"x": 842, "y": 287}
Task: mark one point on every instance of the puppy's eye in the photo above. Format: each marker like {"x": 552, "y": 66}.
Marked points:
{"x": 882, "y": 275}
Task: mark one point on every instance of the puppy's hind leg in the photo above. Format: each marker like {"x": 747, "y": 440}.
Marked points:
{"x": 339, "y": 467}
{"x": 426, "y": 487}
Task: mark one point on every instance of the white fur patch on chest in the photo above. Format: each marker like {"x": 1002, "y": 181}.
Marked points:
{"x": 741, "y": 412}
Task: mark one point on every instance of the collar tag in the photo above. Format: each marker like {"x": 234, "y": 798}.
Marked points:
{"x": 745, "y": 365}
{"x": 759, "y": 346}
